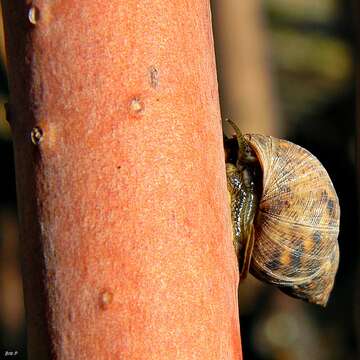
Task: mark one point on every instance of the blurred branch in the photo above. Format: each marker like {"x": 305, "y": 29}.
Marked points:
{"x": 244, "y": 66}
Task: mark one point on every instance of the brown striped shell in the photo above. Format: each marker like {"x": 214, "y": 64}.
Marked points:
{"x": 297, "y": 224}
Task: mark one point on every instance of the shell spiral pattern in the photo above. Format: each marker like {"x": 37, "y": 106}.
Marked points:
{"x": 297, "y": 224}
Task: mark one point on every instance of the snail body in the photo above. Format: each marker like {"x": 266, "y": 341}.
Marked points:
{"x": 244, "y": 204}
{"x": 289, "y": 238}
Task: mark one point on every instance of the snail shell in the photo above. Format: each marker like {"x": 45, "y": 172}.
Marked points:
{"x": 297, "y": 223}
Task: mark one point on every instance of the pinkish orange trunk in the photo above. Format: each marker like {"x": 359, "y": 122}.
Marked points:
{"x": 123, "y": 207}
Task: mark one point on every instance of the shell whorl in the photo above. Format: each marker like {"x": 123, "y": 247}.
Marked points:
{"x": 297, "y": 225}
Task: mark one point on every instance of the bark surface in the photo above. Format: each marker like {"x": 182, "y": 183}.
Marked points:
{"x": 123, "y": 207}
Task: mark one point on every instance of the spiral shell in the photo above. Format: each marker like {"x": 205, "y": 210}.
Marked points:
{"x": 297, "y": 225}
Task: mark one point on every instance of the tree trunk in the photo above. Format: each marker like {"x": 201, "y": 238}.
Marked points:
{"x": 123, "y": 207}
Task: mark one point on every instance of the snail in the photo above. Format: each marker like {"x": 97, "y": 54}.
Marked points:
{"x": 285, "y": 215}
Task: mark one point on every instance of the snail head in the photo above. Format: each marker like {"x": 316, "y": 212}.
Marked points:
{"x": 246, "y": 155}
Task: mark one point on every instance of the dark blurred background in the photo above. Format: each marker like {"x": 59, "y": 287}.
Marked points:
{"x": 12, "y": 315}
{"x": 285, "y": 68}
